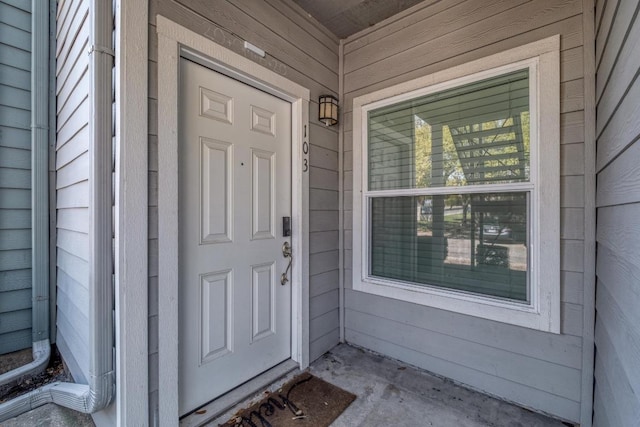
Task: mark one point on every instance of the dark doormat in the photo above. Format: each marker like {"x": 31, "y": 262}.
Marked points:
{"x": 306, "y": 400}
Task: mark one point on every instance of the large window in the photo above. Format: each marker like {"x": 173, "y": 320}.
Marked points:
{"x": 456, "y": 201}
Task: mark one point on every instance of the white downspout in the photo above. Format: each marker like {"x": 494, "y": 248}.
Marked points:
{"x": 96, "y": 395}
{"x": 41, "y": 352}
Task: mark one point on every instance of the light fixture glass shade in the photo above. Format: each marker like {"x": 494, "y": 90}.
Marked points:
{"x": 328, "y": 110}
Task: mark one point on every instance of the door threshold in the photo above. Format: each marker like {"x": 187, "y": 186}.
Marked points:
{"x": 218, "y": 407}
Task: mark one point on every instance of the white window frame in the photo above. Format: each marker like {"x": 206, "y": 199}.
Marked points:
{"x": 542, "y": 311}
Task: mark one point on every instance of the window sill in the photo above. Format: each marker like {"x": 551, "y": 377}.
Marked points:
{"x": 522, "y": 314}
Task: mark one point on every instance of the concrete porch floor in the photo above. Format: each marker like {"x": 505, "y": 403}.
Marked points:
{"x": 50, "y": 415}
{"x": 388, "y": 392}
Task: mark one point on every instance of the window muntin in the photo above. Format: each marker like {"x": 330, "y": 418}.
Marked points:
{"x": 473, "y": 134}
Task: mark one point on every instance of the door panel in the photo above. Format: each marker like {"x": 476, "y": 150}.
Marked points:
{"x": 216, "y": 197}
{"x": 263, "y": 302}
{"x": 234, "y": 186}
{"x": 216, "y": 310}
{"x": 264, "y": 203}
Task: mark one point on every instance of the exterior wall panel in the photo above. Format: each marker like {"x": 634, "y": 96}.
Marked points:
{"x": 72, "y": 186}
{"x": 535, "y": 369}
{"x": 617, "y": 335}
{"x": 15, "y": 176}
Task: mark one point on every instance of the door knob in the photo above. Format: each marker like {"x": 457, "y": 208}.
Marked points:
{"x": 286, "y": 252}
{"x": 286, "y": 249}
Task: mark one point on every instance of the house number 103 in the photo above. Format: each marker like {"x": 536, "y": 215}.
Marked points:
{"x": 305, "y": 152}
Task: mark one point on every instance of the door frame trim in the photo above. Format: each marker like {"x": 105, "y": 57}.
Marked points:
{"x": 174, "y": 42}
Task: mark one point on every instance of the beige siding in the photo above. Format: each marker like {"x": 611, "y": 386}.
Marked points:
{"x": 617, "y": 378}
{"x": 72, "y": 185}
{"x": 535, "y": 369}
{"x": 306, "y": 53}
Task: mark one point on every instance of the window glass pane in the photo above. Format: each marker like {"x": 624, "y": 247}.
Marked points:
{"x": 469, "y": 242}
{"x": 473, "y": 134}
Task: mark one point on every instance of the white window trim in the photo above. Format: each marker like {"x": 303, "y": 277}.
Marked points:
{"x": 543, "y": 310}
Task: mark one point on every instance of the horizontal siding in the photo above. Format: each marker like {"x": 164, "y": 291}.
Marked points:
{"x": 502, "y": 337}
{"x": 16, "y": 320}
{"x": 459, "y": 45}
{"x": 19, "y": 4}
{"x": 15, "y": 16}
{"x": 72, "y": 186}
{"x": 75, "y": 267}
{"x": 19, "y": 259}
{"x": 74, "y": 172}
{"x": 74, "y": 147}
{"x": 324, "y": 343}
{"x": 11, "y": 96}
{"x": 73, "y": 219}
{"x": 15, "y": 78}
{"x": 16, "y": 158}
{"x": 74, "y": 125}
{"x": 15, "y": 199}
{"x": 489, "y": 383}
{"x": 620, "y": 79}
{"x": 72, "y": 363}
{"x": 16, "y": 138}
{"x": 437, "y": 21}
{"x": 618, "y": 183}
{"x": 15, "y": 178}
{"x": 15, "y": 239}
{"x": 304, "y": 52}
{"x": 13, "y": 280}
{"x": 73, "y": 325}
{"x": 67, "y": 108}
{"x": 16, "y": 340}
{"x": 67, "y": 50}
{"x": 15, "y": 175}
{"x": 73, "y": 196}
{"x": 15, "y": 57}
{"x": 523, "y": 370}
{"x": 76, "y": 243}
{"x": 619, "y": 340}
{"x": 11, "y": 117}
{"x": 623, "y": 128}
{"x": 538, "y": 370}
{"x": 18, "y": 216}
{"x": 622, "y": 397}
{"x": 71, "y": 69}
{"x": 15, "y": 300}
{"x": 16, "y": 37}
{"x": 617, "y": 336}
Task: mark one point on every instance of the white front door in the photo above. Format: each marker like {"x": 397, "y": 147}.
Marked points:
{"x": 234, "y": 189}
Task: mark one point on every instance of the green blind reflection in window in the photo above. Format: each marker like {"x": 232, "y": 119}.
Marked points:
{"x": 474, "y": 243}
{"x": 473, "y": 134}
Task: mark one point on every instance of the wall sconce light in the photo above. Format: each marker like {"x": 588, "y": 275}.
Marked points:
{"x": 328, "y": 110}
